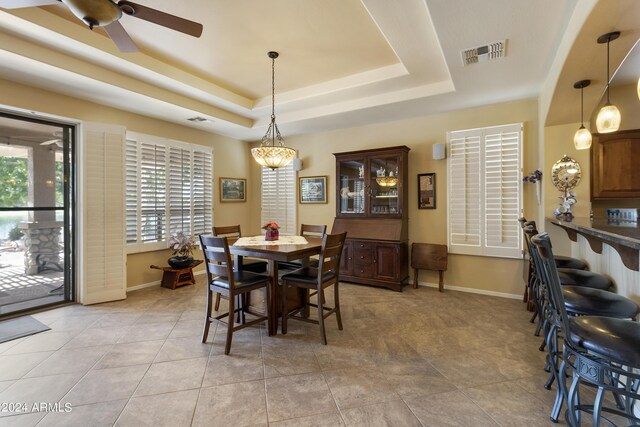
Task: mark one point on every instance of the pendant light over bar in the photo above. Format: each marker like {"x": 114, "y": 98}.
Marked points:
{"x": 608, "y": 119}
{"x": 272, "y": 152}
{"x": 582, "y": 138}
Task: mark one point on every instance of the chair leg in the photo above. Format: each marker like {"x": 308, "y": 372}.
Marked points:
{"x": 323, "y": 335}
{"x": 597, "y": 406}
{"x": 285, "y": 309}
{"x": 440, "y": 281}
{"x": 217, "y": 306}
{"x": 415, "y": 278}
{"x": 207, "y": 318}
{"x": 232, "y": 308}
{"x": 267, "y": 306}
{"x": 336, "y": 303}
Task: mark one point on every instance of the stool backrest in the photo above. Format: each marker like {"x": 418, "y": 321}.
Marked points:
{"x": 550, "y": 278}
{"x": 313, "y": 230}
{"x": 330, "y": 254}
{"x": 217, "y": 258}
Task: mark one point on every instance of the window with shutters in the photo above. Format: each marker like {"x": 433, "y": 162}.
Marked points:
{"x": 484, "y": 191}
{"x": 169, "y": 189}
{"x": 279, "y": 198}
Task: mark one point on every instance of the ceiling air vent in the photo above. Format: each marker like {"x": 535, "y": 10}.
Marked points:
{"x": 484, "y": 53}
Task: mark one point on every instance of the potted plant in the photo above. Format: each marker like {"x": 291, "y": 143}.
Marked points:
{"x": 182, "y": 247}
{"x": 271, "y": 231}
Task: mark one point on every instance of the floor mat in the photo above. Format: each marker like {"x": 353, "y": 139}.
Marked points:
{"x": 20, "y": 327}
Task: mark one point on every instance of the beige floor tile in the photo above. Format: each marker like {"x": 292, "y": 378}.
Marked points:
{"x": 509, "y": 404}
{"x": 359, "y": 387}
{"x": 183, "y": 348}
{"x": 36, "y": 390}
{"x": 330, "y": 419}
{"x": 119, "y": 319}
{"x": 146, "y": 332}
{"x": 233, "y": 368}
{"x": 44, "y": 341}
{"x": 451, "y": 409}
{"x": 466, "y": 369}
{"x": 8, "y": 344}
{"x": 104, "y": 385}
{"x": 289, "y": 360}
{"x": 298, "y": 396}
{"x": 5, "y": 385}
{"x": 170, "y": 410}
{"x": 95, "y": 337}
{"x": 102, "y": 414}
{"x": 241, "y": 404}
{"x": 17, "y": 365}
{"x": 187, "y": 328}
{"x": 395, "y": 413}
{"x": 129, "y": 354}
{"x": 172, "y": 376}
{"x": 74, "y": 323}
{"x": 22, "y": 420}
{"x": 413, "y": 380}
{"x": 69, "y": 361}
{"x": 158, "y": 317}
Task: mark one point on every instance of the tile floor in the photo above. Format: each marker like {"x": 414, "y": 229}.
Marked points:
{"x": 413, "y": 358}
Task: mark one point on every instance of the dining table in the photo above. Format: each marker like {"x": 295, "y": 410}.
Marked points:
{"x": 286, "y": 249}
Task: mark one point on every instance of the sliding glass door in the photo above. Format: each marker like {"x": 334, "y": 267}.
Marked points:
{"x": 36, "y": 213}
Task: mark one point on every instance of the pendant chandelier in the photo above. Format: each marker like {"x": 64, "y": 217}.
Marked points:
{"x": 272, "y": 152}
{"x": 582, "y": 138}
{"x": 608, "y": 119}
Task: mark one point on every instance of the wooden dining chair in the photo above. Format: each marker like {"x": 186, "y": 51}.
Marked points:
{"x": 318, "y": 279}
{"x": 233, "y": 233}
{"x": 224, "y": 280}
{"x": 306, "y": 230}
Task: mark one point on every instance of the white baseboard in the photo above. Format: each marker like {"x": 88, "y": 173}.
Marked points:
{"x": 158, "y": 282}
{"x": 471, "y": 290}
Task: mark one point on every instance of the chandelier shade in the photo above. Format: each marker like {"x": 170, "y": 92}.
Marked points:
{"x": 608, "y": 119}
{"x": 582, "y": 139}
{"x": 272, "y": 153}
{"x": 387, "y": 181}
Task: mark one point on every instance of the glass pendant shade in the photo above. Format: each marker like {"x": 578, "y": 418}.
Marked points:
{"x": 582, "y": 139}
{"x": 608, "y": 119}
{"x": 638, "y": 87}
{"x": 387, "y": 181}
{"x": 272, "y": 153}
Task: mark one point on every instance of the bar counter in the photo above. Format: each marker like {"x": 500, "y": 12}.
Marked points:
{"x": 623, "y": 236}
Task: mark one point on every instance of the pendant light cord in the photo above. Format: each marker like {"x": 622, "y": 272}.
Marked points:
{"x": 582, "y": 106}
{"x": 273, "y": 88}
{"x": 608, "y": 41}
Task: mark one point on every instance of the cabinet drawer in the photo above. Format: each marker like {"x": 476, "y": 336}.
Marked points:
{"x": 362, "y": 256}
{"x": 362, "y": 270}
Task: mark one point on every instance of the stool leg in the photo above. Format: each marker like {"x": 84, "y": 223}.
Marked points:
{"x": 232, "y": 308}
{"x": 217, "y": 306}
{"x": 415, "y": 278}
{"x": 441, "y": 281}
{"x": 323, "y": 335}
{"x": 285, "y": 309}
{"x": 337, "y": 305}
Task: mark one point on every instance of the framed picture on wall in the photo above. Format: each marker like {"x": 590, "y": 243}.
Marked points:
{"x": 233, "y": 190}
{"x": 313, "y": 189}
{"x": 427, "y": 191}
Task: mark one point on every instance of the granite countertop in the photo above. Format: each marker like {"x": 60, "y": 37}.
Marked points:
{"x": 626, "y": 233}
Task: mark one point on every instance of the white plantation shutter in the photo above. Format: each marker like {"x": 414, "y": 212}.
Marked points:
{"x": 484, "y": 191}
{"x": 279, "y": 198}
{"x": 102, "y": 257}
{"x": 169, "y": 189}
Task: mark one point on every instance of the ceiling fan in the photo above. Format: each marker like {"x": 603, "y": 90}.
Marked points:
{"x": 106, "y": 14}
{"x": 57, "y": 142}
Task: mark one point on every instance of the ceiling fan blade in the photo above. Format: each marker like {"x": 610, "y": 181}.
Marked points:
{"x": 161, "y": 18}
{"x": 117, "y": 33}
{"x": 51, "y": 141}
{"x": 17, "y": 4}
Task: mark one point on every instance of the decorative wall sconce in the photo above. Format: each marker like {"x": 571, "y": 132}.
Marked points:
{"x": 608, "y": 119}
{"x": 582, "y": 138}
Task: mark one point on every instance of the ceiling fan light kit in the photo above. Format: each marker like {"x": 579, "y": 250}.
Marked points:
{"x": 582, "y": 139}
{"x": 608, "y": 119}
{"x": 272, "y": 153}
{"x": 107, "y": 14}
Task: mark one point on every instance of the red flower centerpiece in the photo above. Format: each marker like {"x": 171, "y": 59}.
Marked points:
{"x": 271, "y": 231}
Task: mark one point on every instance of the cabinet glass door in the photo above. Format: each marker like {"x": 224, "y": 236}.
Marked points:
{"x": 352, "y": 188}
{"x": 384, "y": 181}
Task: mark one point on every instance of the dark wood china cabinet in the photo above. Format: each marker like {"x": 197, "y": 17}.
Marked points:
{"x": 371, "y": 206}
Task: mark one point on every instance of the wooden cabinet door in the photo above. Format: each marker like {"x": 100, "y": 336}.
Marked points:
{"x": 387, "y": 261}
{"x": 346, "y": 260}
{"x": 614, "y": 165}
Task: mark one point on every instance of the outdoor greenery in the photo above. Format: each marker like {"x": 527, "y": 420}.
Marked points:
{"x": 15, "y": 181}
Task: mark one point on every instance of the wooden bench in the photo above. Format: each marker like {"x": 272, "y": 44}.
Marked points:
{"x": 429, "y": 256}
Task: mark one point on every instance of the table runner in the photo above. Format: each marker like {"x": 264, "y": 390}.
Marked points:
{"x": 259, "y": 241}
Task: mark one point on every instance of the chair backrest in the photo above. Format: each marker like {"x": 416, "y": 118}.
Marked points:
{"x": 217, "y": 258}
{"x": 227, "y": 231}
{"x": 313, "y": 230}
{"x": 544, "y": 255}
{"x": 330, "y": 254}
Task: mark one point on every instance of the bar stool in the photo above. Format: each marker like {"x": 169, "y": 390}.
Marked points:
{"x": 599, "y": 351}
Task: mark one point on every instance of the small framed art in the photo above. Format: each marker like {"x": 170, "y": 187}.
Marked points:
{"x": 233, "y": 190}
{"x": 313, "y": 189}
{"x": 427, "y": 191}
